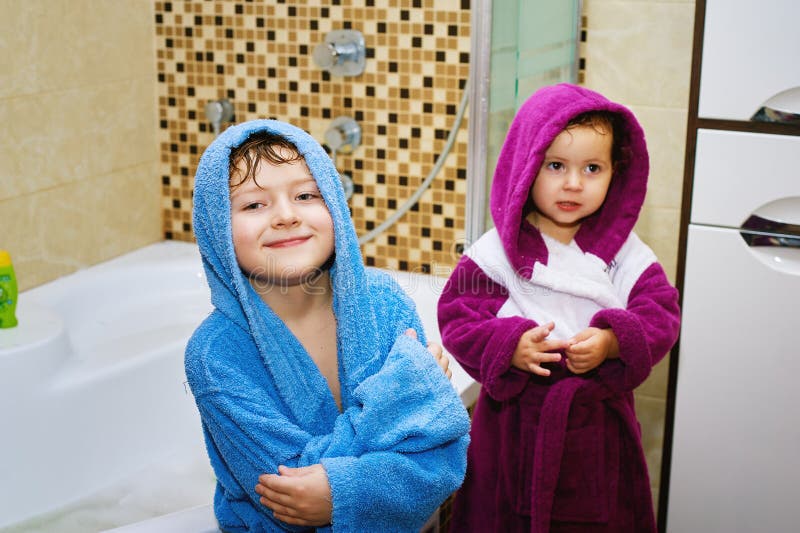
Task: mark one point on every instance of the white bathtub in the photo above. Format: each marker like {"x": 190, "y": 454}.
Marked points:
{"x": 98, "y": 427}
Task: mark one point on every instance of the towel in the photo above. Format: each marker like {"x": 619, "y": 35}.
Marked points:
{"x": 397, "y": 449}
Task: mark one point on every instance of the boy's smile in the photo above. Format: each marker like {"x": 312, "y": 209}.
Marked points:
{"x": 285, "y": 243}
{"x": 282, "y": 230}
{"x": 572, "y": 182}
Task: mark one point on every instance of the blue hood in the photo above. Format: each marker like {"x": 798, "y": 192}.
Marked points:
{"x": 232, "y": 294}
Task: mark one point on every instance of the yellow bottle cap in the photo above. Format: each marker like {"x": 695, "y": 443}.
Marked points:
{"x": 5, "y": 258}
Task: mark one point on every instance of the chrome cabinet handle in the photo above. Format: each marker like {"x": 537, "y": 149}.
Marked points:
{"x": 760, "y": 231}
{"x": 783, "y": 107}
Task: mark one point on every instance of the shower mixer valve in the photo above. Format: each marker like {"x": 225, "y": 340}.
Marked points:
{"x": 217, "y": 112}
{"x": 342, "y": 54}
{"x": 343, "y": 135}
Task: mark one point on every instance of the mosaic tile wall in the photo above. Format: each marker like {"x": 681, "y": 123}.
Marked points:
{"x": 258, "y": 55}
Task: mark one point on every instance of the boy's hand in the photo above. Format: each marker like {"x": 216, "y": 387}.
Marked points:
{"x": 436, "y": 350}
{"x": 589, "y": 348}
{"x": 298, "y": 496}
{"x": 533, "y": 349}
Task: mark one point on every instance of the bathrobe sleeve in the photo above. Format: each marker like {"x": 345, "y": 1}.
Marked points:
{"x": 646, "y": 329}
{"x": 391, "y": 457}
{"x": 480, "y": 341}
{"x": 414, "y": 446}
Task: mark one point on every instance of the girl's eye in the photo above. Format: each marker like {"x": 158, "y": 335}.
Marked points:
{"x": 593, "y": 168}
{"x": 555, "y": 165}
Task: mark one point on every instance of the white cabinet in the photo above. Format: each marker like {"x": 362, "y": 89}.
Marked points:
{"x": 751, "y": 51}
{"x": 732, "y": 464}
{"x": 736, "y": 437}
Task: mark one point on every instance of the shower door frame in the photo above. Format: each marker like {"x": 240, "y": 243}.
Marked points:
{"x": 480, "y": 74}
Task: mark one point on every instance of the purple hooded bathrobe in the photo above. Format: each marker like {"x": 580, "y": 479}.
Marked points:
{"x": 563, "y": 452}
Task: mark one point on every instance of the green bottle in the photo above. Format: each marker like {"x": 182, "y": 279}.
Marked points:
{"x": 8, "y": 292}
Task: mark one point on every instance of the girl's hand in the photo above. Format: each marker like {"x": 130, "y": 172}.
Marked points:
{"x": 589, "y": 348}
{"x": 436, "y": 350}
{"x": 533, "y": 349}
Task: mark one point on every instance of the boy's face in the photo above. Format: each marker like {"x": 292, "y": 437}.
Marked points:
{"x": 572, "y": 182}
{"x": 282, "y": 230}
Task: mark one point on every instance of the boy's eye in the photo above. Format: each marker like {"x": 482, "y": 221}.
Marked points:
{"x": 305, "y": 196}
{"x": 252, "y": 205}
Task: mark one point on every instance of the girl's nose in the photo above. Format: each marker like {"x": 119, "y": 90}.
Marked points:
{"x": 573, "y": 181}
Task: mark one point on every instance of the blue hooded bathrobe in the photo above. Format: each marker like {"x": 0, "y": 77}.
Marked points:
{"x": 397, "y": 449}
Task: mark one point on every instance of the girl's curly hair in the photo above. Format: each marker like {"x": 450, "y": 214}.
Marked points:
{"x": 604, "y": 122}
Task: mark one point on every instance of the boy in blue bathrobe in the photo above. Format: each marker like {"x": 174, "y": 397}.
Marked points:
{"x": 317, "y": 410}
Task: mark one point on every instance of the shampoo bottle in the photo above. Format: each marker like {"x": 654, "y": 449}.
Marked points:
{"x": 8, "y": 292}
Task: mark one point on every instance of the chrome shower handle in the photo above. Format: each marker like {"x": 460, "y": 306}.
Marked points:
{"x": 343, "y": 135}
{"x": 217, "y": 112}
{"x": 342, "y": 54}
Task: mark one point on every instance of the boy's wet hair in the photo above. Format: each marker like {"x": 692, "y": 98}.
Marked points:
{"x": 604, "y": 122}
{"x": 262, "y": 145}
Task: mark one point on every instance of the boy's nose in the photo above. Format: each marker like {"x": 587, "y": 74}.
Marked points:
{"x": 284, "y": 215}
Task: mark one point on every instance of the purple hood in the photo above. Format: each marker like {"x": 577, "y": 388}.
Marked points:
{"x": 540, "y": 119}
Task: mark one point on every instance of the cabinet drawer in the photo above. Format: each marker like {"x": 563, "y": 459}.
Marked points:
{"x": 750, "y": 52}
{"x": 734, "y": 450}
{"x": 736, "y": 173}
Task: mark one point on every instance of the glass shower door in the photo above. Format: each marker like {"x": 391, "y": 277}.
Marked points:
{"x": 532, "y": 43}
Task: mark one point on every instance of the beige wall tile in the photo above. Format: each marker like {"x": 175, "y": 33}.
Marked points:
{"x": 659, "y": 228}
{"x": 651, "y": 413}
{"x": 665, "y": 130}
{"x": 66, "y": 136}
{"x": 655, "y": 386}
{"x": 55, "y": 232}
{"x": 78, "y": 151}
{"x": 61, "y": 44}
{"x": 640, "y": 52}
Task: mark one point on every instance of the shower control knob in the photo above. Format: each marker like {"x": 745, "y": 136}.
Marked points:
{"x": 218, "y": 112}
{"x": 342, "y": 54}
{"x": 325, "y": 56}
{"x": 347, "y": 185}
{"x": 343, "y": 135}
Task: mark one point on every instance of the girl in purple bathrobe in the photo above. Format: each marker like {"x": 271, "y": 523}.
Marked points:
{"x": 560, "y": 312}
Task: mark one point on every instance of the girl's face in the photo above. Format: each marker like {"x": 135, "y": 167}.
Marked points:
{"x": 282, "y": 230}
{"x": 572, "y": 182}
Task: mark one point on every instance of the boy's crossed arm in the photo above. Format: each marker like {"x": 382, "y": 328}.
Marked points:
{"x": 437, "y": 352}
{"x": 298, "y": 496}
{"x": 302, "y": 496}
